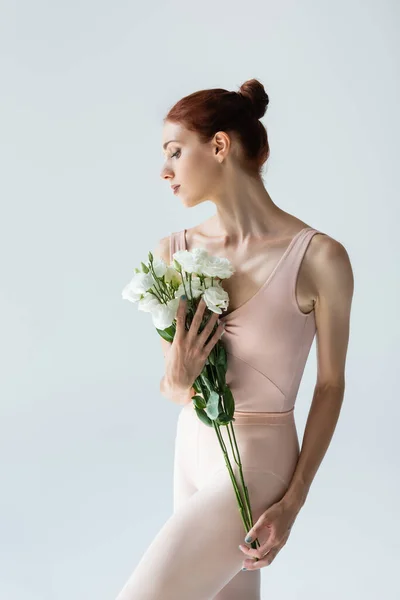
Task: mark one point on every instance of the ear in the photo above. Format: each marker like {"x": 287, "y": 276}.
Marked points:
{"x": 222, "y": 144}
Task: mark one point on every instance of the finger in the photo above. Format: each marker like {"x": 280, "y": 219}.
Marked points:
{"x": 258, "y": 552}
{"x": 252, "y": 565}
{"x": 197, "y": 318}
{"x": 266, "y": 525}
{"x": 218, "y": 333}
{"x": 203, "y": 336}
{"x": 181, "y": 317}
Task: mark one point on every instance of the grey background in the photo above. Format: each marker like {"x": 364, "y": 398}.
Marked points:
{"x": 86, "y": 439}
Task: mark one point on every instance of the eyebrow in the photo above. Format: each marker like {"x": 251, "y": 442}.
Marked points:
{"x": 166, "y": 143}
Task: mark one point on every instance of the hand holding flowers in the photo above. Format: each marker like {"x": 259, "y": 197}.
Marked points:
{"x": 189, "y": 350}
{"x": 197, "y": 357}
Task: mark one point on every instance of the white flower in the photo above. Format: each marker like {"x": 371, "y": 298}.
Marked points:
{"x": 203, "y": 269}
{"x": 216, "y": 298}
{"x": 148, "y": 302}
{"x": 192, "y": 290}
{"x": 164, "y": 314}
{"x": 159, "y": 266}
{"x": 192, "y": 261}
{"x": 172, "y": 276}
{"x": 218, "y": 266}
{"x": 139, "y": 285}
{"x": 199, "y": 261}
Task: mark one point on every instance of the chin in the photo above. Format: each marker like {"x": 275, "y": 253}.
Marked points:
{"x": 191, "y": 200}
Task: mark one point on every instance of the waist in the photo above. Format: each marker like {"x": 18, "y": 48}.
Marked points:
{"x": 263, "y": 417}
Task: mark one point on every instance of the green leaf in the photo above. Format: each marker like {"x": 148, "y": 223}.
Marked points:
{"x": 212, "y": 408}
{"x": 229, "y": 401}
{"x": 221, "y": 373}
{"x": 199, "y": 401}
{"x": 207, "y": 382}
{"x": 145, "y": 269}
{"x": 221, "y": 357}
{"x": 203, "y": 417}
{"x": 224, "y": 419}
{"x": 167, "y": 334}
{"x": 197, "y": 386}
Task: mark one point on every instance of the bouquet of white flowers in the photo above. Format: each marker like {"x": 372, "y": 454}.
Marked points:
{"x": 157, "y": 288}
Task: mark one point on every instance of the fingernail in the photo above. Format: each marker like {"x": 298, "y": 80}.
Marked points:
{"x": 248, "y": 539}
{"x": 244, "y": 569}
{"x": 183, "y": 297}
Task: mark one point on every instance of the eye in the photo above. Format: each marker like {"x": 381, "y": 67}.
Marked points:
{"x": 175, "y": 153}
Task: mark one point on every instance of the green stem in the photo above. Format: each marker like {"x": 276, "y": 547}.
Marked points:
{"x": 232, "y": 476}
{"x": 190, "y": 286}
{"x": 236, "y": 457}
{"x": 244, "y": 505}
{"x": 157, "y": 284}
{"x": 184, "y": 287}
{"x": 239, "y": 463}
{"x": 246, "y": 491}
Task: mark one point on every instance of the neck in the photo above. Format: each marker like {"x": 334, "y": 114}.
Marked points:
{"x": 244, "y": 210}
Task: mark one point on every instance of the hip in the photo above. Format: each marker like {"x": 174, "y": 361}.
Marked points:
{"x": 265, "y": 442}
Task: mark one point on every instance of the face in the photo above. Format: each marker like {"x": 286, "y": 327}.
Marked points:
{"x": 194, "y": 166}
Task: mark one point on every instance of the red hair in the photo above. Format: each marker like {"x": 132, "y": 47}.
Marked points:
{"x": 211, "y": 110}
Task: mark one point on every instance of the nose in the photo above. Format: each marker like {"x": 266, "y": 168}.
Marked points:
{"x": 166, "y": 173}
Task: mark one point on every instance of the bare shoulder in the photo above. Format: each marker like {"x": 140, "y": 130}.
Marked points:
{"x": 162, "y": 249}
{"x": 332, "y": 278}
{"x": 329, "y": 264}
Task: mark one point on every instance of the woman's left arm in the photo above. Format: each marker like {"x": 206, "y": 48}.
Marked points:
{"x": 332, "y": 277}
{"x": 330, "y": 271}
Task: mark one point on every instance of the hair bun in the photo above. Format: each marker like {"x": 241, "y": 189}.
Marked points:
{"x": 255, "y": 96}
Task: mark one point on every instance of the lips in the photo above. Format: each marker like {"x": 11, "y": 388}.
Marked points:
{"x": 175, "y": 188}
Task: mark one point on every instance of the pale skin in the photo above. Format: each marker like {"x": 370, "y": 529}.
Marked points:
{"x": 252, "y": 232}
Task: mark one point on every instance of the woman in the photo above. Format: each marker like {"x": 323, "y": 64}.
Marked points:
{"x": 291, "y": 282}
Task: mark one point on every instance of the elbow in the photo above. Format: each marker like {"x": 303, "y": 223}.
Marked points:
{"x": 333, "y": 383}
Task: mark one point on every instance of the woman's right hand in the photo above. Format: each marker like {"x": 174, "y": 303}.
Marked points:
{"x": 188, "y": 352}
